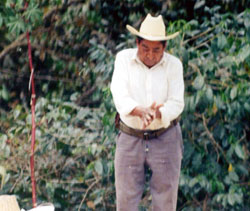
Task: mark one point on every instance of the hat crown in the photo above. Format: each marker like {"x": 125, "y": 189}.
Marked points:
{"x": 153, "y": 26}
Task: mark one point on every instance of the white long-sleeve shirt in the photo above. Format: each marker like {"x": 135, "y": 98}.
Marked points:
{"x": 134, "y": 84}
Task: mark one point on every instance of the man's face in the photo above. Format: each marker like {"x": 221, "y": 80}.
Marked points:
{"x": 150, "y": 52}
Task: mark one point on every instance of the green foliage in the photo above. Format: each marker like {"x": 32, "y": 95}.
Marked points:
{"x": 214, "y": 98}
{"x": 18, "y": 18}
{"x": 70, "y": 154}
{"x": 4, "y": 93}
{"x": 74, "y": 46}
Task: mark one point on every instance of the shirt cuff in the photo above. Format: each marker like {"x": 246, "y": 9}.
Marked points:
{"x": 164, "y": 117}
{"x": 167, "y": 116}
{"x": 126, "y": 109}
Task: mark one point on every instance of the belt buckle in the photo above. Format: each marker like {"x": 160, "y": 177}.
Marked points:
{"x": 146, "y": 136}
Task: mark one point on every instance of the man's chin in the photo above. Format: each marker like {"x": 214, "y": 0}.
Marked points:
{"x": 149, "y": 64}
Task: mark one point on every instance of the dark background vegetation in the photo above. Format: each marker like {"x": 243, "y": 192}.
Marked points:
{"x": 74, "y": 43}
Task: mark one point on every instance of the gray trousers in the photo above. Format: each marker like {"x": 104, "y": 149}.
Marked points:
{"x": 162, "y": 155}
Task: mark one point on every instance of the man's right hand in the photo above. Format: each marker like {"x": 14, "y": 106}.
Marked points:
{"x": 147, "y": 114}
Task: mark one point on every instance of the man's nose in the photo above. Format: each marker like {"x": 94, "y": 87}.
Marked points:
{"x": 150, "y": 55}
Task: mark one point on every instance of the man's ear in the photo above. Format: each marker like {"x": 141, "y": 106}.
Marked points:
{"x": 137, "y": 42}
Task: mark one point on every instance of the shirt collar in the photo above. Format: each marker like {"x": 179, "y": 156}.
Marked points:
{"x": 136, "y": 59}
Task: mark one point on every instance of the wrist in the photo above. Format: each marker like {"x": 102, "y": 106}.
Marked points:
{"x": 137, "y": 111}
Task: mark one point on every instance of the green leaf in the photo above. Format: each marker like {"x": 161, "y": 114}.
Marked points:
{"x": 9, "y": 2}
{"x": 247, "y": 107}
{"x": 3, "y": 137}
{"x": 233, "y": 176}
{"x": 199, "y": 4}
{"x": 184, "y": 55}
{"x": 233, "y": 92}
{"x": 1, "y": 20}
{"x": 219, "y": 197}
{"x": 3, "y": 175}
{"x": 99, "y": 167}
{"x": 33, "y": 13}
{"x": 231, "y": 199}
{"x": 58, "y": 2}
{"x": 93, "y": 148}
{"x": 244, "y": 53}
{"x": 19, "y": 4}
{"x": 238, "y": 198}
{"x": 5, "y": 93}
{"x": 198, "y": 82}
{"x": 17, "y": 112}
{"x": 222, "y": 41}
{"x": 227, "y": 61}
{"x": 82, "y": 113}
{"x": 209, "y": 94}
{"x": 239, "y": 152}
{"x": 16, "y": 25}
{"x": 193, "y": 182}
{"x": 246, "y": 19}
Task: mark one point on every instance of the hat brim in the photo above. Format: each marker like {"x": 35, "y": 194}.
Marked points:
{"x": 151, "y": 38}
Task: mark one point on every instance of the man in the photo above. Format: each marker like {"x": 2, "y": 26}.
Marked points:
{"x": 148, "y": 92}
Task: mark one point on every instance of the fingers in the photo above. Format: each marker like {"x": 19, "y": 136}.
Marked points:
{"x": 145, "y": 124}
{"x": 158, "y": 106}
{"x": 152, "y": 113}
{"x": 153, "y": 106}
{"x": 147, "y": 119}
{"x": 147, "y": 115}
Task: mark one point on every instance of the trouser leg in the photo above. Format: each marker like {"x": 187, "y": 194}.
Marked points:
{"x": 164, "y": 159}
{"x": 129, "y": 172}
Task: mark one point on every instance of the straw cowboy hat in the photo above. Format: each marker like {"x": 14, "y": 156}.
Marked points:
{"x": 152, "y": 28}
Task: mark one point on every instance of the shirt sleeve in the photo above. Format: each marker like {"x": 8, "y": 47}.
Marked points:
{"x": 123, "y": 101}
{"x": 174, "y": 104}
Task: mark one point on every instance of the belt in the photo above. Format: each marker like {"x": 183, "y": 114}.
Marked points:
{"x": 144, "y": 134}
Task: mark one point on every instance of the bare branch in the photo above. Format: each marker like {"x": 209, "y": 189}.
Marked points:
{"x": 194, "y": 67}
{"x": 13, "y": 45}
{"x": 85, "y": 195}
{"x": 211, "y": 137}
{"x": 200, "y": 35}
{"x": 39, "y": 77}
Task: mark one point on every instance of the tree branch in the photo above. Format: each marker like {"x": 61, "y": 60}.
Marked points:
{"x": 200, "y": 35}
{"x": 39, "y": 77}
{"x": 13, "y": 45}
{"x": 85, "y": 195}
{"x": 215, "y": 144}
{"x": 194, "y": 67}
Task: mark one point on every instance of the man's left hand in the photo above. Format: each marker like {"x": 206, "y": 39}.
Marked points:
{"x": 148, "y": 114}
